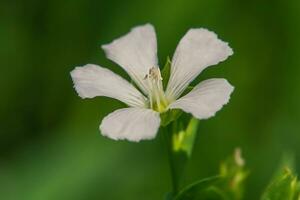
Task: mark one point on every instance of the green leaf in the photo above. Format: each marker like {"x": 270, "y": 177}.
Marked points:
{"x": 184, "y": 139}
{"x": 165, "y": 73}
{"x": 283, "y": 187}
{"x": 201, "y": 190}
{"x": 228, "y": 186}
{"x": 171, "y": 115}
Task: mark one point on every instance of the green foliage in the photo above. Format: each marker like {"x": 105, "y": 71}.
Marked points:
{"x": 233, "y": 174}
{"x": 202, "y": 189}
{"x": 228, "y": 185}
{"x": 287, "y": 162}
{"x": 284, "y": 184}
{"x": 283, "y": 187}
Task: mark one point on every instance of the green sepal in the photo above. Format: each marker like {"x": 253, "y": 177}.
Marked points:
{"x": 169, "y": 116}
{"x": 184, "y": 139}
{"x": 165, "y": 73}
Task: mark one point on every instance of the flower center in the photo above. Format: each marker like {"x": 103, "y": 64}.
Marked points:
{"x": 156, "y": 95}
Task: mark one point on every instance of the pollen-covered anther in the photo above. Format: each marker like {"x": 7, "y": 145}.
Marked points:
{"x": 154, "y": 73}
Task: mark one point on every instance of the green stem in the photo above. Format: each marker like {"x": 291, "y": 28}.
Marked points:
{"x": 168, "y": 134}
{"x": 179, "y": 139}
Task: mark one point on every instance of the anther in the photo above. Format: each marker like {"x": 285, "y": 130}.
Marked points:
{"x": 154, "y": 73}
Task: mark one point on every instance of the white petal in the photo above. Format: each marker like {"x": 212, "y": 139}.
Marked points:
{"x": 135, "y": 52}
{"x": 133, "y": 124}
{"x": 205, "y": 99}
{"x": 92, "y": 80}
{"x": 198, "y": 49}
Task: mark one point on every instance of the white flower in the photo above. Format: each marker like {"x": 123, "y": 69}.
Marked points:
{"x": 136, "y": 53}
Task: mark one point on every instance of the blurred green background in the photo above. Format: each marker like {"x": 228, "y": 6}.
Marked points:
{"x": 51, "y": 148}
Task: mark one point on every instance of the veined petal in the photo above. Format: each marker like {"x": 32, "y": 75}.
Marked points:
{"x": 92, "y": 80}
{"x": 135, "y": 52}
{"x": 133, "y": 124}
{"x": 205, "y": 99}
{"x": 198, "y": 49}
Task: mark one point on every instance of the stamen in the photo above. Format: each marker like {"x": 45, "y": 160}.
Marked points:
{"x": 156, "y": 94}
{"x": 154, "y": 73}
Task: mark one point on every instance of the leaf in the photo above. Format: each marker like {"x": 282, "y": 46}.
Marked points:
{"x": 201, "y": 190}
{"x": 283, "y": 187}
{"x": 165, "y": 73}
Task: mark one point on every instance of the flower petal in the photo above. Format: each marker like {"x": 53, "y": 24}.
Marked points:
{"x": 198, "y": 49}
{"x": 133, "y": 124}
{"x": 205, "y": 99}
{"x": 92, "y": 80}
{"x": 135, "y": 52}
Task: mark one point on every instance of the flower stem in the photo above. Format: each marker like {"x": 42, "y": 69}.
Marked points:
{"x": 175, "y": 181}
{"x": 168, "y": 134}
{"x": 179, "y": 139}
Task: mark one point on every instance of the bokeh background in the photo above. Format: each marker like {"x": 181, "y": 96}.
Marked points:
{"x": 50, "y": 145}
